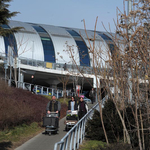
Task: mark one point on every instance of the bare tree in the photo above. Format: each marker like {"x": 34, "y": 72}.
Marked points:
{"x": 64, "y": 80}
{"x": 125, "y": 73}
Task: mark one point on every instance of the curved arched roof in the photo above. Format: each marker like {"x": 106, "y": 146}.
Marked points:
{"x": 50, "y": 43}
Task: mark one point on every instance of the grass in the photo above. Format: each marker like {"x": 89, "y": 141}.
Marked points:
{"x": 91, "y": 145}
{"x": 18, "y": 135}
{"x": 20, "y": 131}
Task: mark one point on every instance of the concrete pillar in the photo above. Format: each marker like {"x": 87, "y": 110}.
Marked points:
{"x": 21, "y": 80}
{"x": 94, "y": 82}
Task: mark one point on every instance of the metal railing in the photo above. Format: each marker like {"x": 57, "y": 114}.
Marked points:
{"x": 75, "y": 136}
{"x": 55, "y": 66}
{"x": 42, "y": 90}
{"x": 38, "y": 89}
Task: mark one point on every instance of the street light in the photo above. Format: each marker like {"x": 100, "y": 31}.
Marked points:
{"x": 129, "y": 33}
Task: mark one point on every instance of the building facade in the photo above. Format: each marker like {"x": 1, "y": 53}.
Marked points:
{"x": 50, "y": 46}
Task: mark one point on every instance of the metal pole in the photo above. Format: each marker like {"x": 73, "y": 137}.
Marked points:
{"x": 32, "y": 53}
{"x": 130, "y": 44}
{"x": 5, "y": 74}
{"x": 129, "y": 6}
{"x": 10, "y": 74}
{"x": 6, "y": 67}
{"x": 18, "y": 73}
{"x": 10, "y": 66}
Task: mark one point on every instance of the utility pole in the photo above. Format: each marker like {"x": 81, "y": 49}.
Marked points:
{"x": 130, "y": 44}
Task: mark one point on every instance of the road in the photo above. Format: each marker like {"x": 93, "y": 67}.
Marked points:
{"x": 46, "y": 142}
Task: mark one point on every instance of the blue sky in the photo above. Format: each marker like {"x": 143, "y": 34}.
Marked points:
{"x": 68, "y": 13}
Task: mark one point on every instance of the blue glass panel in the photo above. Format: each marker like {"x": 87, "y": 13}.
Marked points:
{"x": 105, "y": 37}
{"x": 83, "y": 51}
{"x": 111, "y": 47}
{"x": 73, "y": 33}
{"x": 6, "y": 44}
{"x": 5, "y": 26}
{"x": 10, "y": 41}
{"x": 49, "y": 53}
{"x": 39, "y": 29}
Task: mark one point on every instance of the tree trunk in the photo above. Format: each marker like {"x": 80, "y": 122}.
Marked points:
{"x": 101, "y": 116}
{"x": 136, "y": 117}
{"x": 143, "y": 141}
{"x": 64, "y": 90}
{"x": 124, "y": 126}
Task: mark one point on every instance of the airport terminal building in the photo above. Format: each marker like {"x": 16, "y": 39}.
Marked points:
{"x": 43, "y": 51}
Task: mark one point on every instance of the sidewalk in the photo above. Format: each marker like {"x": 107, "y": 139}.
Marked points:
{"x": 46, "y": 142}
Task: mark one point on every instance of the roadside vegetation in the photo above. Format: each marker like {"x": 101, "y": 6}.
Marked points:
{"x": 92, "y": 145}
{"x": 98, "y": 145}
{"x": 95, "y": 138}
{"x": 21, "y": 114}
{"x": 113, "y": 125}
{"x": 121, "y": 68}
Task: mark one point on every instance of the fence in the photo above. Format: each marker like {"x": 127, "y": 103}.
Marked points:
{"x": 75, "y": 136}
{"x": 38, "y": 89}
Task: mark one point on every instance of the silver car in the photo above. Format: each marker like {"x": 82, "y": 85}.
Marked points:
{"x": 87, "y": 100}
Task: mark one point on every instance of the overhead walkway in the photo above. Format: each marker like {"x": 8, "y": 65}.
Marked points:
{"x": 47, "y": 74}
{"x": 31, "y": 64}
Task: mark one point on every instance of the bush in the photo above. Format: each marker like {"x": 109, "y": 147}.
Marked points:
{"x": 92, "y": 145}
{"x": 112, "y": 124}
{"x": 116, "y": 146}
{"x": 18, "y": 106}
{"x": 99, "y": 145}
{"x": 94, "y": 129}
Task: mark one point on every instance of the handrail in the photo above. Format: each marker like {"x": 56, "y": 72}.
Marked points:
{"x": 40, "y": 90}
{"x": 76, "y": 135}
{"x": 55, "y": 66}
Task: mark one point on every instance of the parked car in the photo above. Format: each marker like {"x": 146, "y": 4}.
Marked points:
{"x": 87, "y": 100}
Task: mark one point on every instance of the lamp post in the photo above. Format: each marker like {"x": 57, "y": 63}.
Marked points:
{"x": 129, "y": 9}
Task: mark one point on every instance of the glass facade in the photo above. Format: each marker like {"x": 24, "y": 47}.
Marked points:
{"x": 111, "y": 47}
{"x": 108, "y": 40}
{"x": 49, "y": 53}
{"x": 10, "y": 41}
{"x": 105, "y": 37}
{"x": 82, "y": 48}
